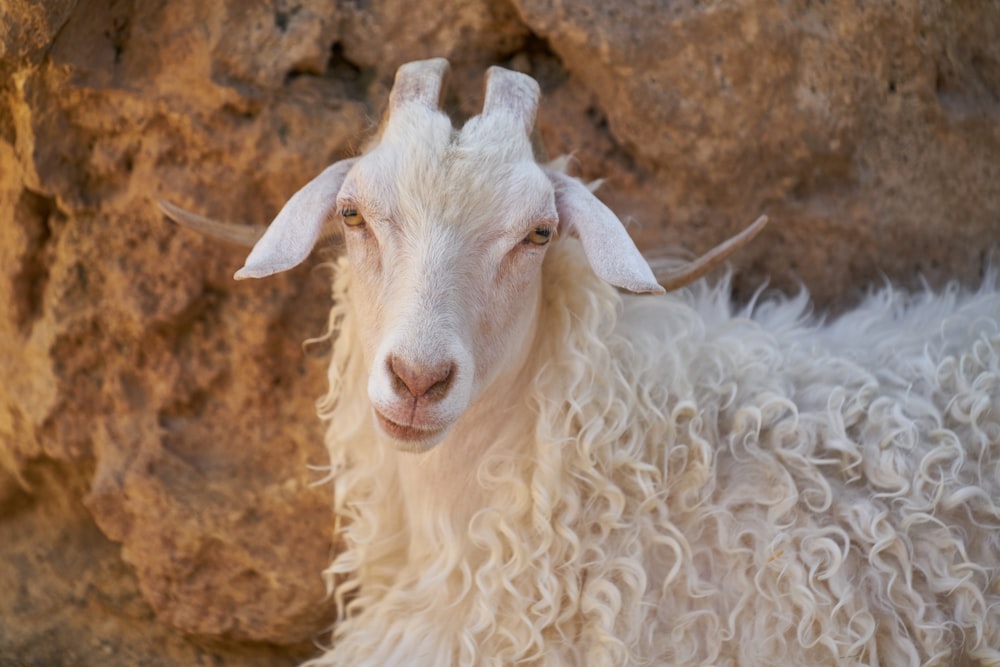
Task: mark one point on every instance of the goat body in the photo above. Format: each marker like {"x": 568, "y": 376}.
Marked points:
{"x": 669, "y": 482}
{"x": 532, "y": 467}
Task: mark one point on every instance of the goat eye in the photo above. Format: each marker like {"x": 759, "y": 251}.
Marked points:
{"x": 539, "y": 236}
{"x": 351, "y": 217}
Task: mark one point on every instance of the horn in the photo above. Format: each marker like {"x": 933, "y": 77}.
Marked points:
{"x": 419, "y": 82}
{"x": 538, "y": 147}
{"x": 511, "y": 93}
{"x": 242, "y": 235}
{"x": 691, "y": 272}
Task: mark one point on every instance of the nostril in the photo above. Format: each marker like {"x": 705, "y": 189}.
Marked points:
{"x": 440, "y": 388}
{"x": 421, "y": 380}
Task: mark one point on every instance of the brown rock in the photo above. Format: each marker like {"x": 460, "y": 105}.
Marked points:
{"x": 869, "y": 133}
{"x": 66, "y": 597}
{"x": 157, "y": 420}
{"x": 127, "y": 349}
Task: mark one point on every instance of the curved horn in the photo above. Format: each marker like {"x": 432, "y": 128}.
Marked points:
{"x": 242, "y": 235}
{"x": 691, "y": 272}
{"x": 420, "y": 82}
{"x": 511, "y": 93}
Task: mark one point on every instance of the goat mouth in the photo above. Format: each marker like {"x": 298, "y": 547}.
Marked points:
{"x": 412, "y": 438}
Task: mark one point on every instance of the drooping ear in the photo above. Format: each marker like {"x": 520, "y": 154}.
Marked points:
{"x": 608, "y": 247}
{"x": 292, "y": 235}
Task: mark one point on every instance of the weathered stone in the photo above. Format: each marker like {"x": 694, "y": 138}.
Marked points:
{"x": 130, "y": 352}
{"x": 67, "y": 598}
{"x": 868, "y": 132}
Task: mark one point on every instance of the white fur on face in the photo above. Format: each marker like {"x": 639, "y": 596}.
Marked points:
{"x": 448, "y": 284}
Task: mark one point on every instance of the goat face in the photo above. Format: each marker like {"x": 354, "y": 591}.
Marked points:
{"x": 446, "y": 231}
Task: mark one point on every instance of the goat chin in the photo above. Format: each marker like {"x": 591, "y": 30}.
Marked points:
{"x": 408, "y": 438}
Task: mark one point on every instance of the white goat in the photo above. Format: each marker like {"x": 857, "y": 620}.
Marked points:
{"x": 535, "y": 468}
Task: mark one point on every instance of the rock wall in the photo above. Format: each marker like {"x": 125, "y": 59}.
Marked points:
{"x": 158, "y": 445}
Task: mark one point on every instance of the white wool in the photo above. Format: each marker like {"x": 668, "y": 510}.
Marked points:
{"x": 674, "y": 482}
{"x": 533, "y": 468}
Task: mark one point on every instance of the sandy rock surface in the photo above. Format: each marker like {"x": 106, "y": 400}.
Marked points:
{"x": 158, "y": 444}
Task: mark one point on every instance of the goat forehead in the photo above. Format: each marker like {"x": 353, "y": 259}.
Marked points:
{"x": 484, "y": 188}
{"x": 421, "y": 132}
{"x": 478, "y": 181}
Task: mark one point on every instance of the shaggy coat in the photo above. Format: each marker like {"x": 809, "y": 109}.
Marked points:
{"x": 676, "y": 482}
{"x": 534, "y": 468}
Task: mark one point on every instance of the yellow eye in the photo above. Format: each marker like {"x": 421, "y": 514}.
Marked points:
{"x": 539, "y": 236}
{"x": 351, "y": 217}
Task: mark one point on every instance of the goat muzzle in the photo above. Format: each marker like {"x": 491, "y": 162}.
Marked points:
{"x": 428, "y": 383}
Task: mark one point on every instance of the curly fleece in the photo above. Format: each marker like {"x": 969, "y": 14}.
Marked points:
{"x": 680, "y": 482}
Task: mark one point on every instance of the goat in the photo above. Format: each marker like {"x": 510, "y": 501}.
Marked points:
{"x": 534, "y": 467}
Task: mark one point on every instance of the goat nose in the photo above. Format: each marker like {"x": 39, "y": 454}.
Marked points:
{"x": 421, "y": 381}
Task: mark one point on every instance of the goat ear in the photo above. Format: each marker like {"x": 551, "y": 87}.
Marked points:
{"x": 608, "y": 247}
{"x": 292, "y": 235}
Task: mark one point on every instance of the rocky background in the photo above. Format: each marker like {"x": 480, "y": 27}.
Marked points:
{"x": 159, "y": 456}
